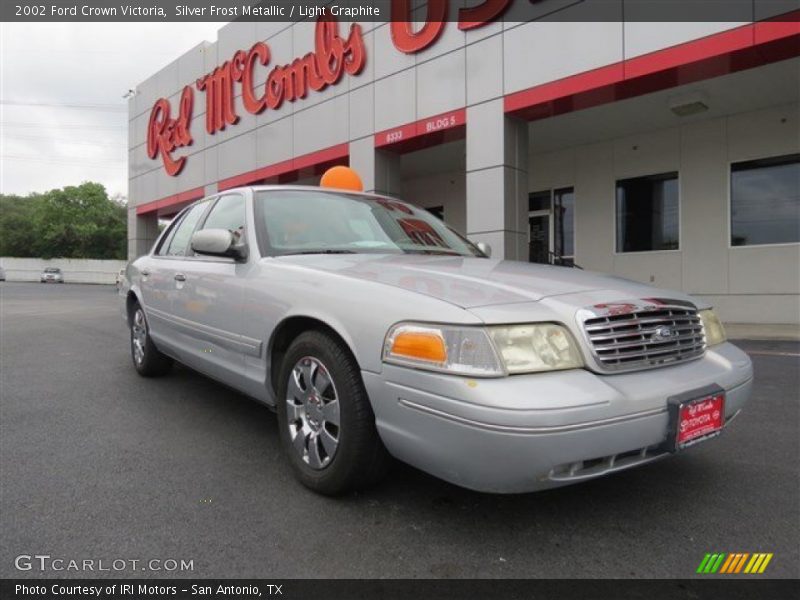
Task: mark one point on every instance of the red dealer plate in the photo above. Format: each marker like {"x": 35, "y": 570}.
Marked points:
{"x": 699, "y": 419}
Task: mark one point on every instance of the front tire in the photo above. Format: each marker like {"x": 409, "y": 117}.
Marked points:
{"x": 325, "y": 419}
{"x": 147, "y": 359}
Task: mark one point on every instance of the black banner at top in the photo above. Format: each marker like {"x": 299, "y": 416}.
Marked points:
{"x": 399, "y": 10}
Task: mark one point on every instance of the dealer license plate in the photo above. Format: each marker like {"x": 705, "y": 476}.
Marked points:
{"x": 696, "y": 420}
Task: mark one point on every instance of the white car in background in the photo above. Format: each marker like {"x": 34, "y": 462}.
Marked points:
{"x": 51, "y": 275}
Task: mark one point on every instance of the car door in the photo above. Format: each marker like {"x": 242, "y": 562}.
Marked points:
{"x": 209, "y": 300}
{"x": 157, "y": 275}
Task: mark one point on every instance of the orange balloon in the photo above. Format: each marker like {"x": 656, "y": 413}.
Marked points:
{"x": 341, "y": 178}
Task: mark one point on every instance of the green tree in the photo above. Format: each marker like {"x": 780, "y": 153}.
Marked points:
{"x": 72, "y": 222}
{"x": 16, "y": 219}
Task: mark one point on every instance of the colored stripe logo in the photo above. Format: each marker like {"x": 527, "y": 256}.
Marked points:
{"x": 734, "y": 563}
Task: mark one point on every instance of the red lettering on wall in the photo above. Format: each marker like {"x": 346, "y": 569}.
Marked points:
{"x": 331, "y": 58}
{"x": 409, "y": 41}
{"x": 404, "y": 38}
{"x": 252, "y": 103}
{"x": 165, "y": 134}
{"x": 218, "y": 86}
{"x": 477, "y": 16}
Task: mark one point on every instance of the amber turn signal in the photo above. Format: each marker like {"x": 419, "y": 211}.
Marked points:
{"x": 420, "y": 345}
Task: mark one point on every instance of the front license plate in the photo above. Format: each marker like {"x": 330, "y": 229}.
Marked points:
{"x": 696, "y": 419}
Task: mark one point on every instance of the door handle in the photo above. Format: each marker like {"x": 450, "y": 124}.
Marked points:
{"x": 145, "y": 272}
{"x": 180, "y": 277}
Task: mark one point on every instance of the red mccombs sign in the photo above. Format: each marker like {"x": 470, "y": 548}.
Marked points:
{"x": 332, "y": 57}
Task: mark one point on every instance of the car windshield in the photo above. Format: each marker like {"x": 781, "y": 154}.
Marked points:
{"x": 323, "y": 222}
{"x": 52, "y": 270}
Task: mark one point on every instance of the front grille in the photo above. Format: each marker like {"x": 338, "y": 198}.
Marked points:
{"x": 638, "y": 340}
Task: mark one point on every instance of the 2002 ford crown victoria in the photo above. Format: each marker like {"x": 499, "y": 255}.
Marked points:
{"x": 375, "y": 330}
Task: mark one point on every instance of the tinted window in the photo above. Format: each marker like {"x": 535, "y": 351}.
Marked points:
{"x": 180, "y": 239}
{"x": 765, "y": 201}
{"x": 647, "y": 213}
{"x": 227, "y": 213}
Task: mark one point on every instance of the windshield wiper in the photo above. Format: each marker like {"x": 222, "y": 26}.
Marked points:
{"x": 321, "y": 251}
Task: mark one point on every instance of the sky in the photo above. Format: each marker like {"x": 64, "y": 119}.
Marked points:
{"x": 63, "y": 119}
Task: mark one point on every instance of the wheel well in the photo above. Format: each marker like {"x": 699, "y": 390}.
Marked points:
{"x": 129, "y": 302}
{"x": 285, "y": 334}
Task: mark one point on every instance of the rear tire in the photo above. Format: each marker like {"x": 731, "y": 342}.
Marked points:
{"x": 325, "y": 419}
{"x": 147, "y": 359}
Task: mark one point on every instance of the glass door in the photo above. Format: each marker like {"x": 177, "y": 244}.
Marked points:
{"x": 551, "y": 228}
{"x": 540, "y": 209}
{"x": 539, "y": 238}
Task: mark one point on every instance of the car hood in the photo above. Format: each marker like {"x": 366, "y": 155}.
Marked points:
{"x": 469, "y": 282}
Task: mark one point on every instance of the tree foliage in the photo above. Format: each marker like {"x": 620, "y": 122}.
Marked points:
{"x": 72, "y": 222}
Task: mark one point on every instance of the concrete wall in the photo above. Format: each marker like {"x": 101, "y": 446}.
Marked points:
{"x": 745, "y": 283}
{"x": 75, "y": 270}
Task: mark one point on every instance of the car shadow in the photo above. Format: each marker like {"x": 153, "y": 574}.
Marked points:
{"x": 638, "y": 490}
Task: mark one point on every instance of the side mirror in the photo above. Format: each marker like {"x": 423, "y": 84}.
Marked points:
{"x": 218, "y": 242}
{"x": 485, "y": 248}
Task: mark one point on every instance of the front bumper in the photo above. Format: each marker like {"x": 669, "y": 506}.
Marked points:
{"x": 530, "y": 432}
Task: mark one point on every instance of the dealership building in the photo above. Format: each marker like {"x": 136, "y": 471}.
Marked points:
{"x": 664, "y": 152}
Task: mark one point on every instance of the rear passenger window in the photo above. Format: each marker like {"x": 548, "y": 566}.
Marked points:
{"x": 227, "y": 213}
{"x": 183, "y": 234}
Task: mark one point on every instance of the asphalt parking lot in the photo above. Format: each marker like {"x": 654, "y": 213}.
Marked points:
{"x": 99, "y": 463}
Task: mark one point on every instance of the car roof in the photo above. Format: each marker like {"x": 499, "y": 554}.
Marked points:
{"x": 304, "y": 188}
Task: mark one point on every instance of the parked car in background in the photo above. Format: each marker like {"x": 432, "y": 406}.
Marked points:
{"x": 120, "y": 277}
{"x": 374, "y": 329}
{"x": 52, "y": 275}
{"x": 2, "y": 274}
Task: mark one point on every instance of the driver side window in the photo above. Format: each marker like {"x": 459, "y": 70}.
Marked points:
{"x": 227, "y": 213}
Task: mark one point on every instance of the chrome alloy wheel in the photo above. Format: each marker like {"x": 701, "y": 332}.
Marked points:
{"x": 312, "y": 409}
{"x": 138, "y": 336}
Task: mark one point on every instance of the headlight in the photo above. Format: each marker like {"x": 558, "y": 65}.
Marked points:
{"x": 715, "y": 332}
{"x": 458, "y": 350}
{"x": 482, "y": 352}
{"x": 536, "y": 347}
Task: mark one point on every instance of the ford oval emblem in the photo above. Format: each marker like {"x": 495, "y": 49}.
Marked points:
{"x": 661, "y": 334}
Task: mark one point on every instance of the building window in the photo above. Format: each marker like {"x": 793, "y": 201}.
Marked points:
{"x": 647, "y": 213}
{"x": 765, "y": 201}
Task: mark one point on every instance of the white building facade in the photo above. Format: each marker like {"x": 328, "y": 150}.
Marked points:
{"x": 662, "y": 152}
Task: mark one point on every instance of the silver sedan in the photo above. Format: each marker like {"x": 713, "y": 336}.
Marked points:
{"x": 374, "y": 330}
